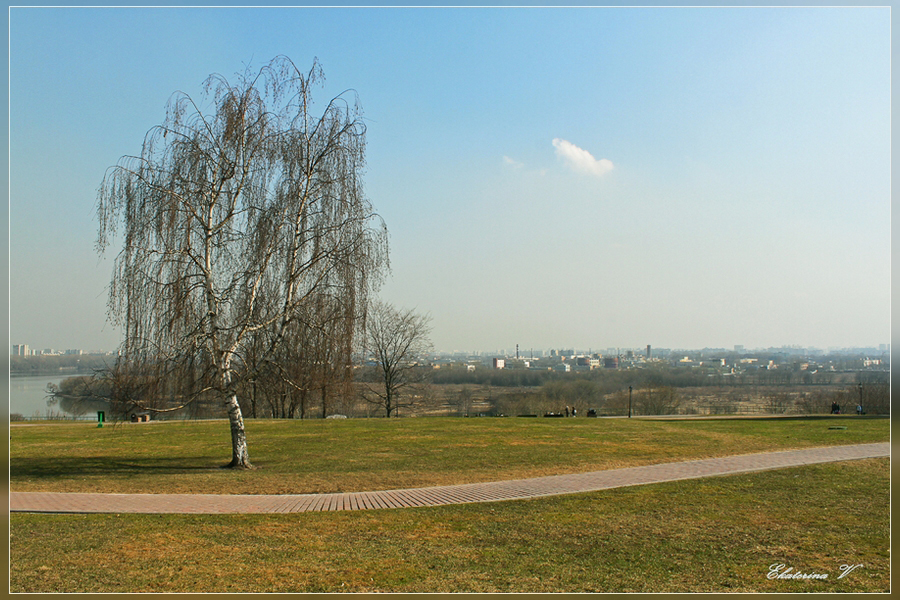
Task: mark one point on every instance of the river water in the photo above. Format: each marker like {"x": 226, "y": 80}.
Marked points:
{"x": 27, "y": 395}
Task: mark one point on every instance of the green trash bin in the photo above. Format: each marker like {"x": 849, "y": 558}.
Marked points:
{"x": 100, "y": 417}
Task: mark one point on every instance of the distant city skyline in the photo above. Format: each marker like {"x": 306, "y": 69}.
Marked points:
{"x": 681, "y": 176}
{"x": 525, "y": 352}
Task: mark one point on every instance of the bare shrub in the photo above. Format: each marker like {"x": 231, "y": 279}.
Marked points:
{"x": 778, "y": 403}
{"x": 660, "y": 401}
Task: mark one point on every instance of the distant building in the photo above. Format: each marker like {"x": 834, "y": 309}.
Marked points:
{"x": 586, "y": 361}
{"x": 499, "y": 363}
{"x": 716, "y": 362}
{"x": 611, "y": 362}
{"x": 20, "y": 350}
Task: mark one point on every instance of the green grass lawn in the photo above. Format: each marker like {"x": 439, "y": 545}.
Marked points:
{"x": 295, "y": 456}
{"x": 718, "y": 534}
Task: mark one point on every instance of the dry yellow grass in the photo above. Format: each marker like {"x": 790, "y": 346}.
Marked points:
{"x": 712, "y": 535}
{"x": 358, "y": 455}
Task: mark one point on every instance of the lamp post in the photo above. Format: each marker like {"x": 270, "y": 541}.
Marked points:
{"x": 860, "y": 393}
{"x": 629, "y": 401}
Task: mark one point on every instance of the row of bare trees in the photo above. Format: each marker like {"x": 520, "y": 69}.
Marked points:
{"x": 584, "y": 394}
{"x": 558, "y": 396}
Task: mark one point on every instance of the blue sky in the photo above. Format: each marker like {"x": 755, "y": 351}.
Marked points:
{"x": 550, "y": 177}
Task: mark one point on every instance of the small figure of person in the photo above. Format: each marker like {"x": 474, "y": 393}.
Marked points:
{"x": 567, "y": 411}
{"x": 573, "y": 411}
{"x": 835, "y": 408}
{"x": 859, "y": 409}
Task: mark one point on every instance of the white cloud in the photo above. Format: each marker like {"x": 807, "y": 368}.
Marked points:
{"x": 512, "y": 163}
{"x": 581, "y": 160}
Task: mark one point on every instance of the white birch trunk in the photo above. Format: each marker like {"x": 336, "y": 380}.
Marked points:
{"x": 240, "y": 458}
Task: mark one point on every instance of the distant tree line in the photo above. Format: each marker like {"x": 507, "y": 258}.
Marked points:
{"x": 494, "y": 377}
{"x": 309, "y": 383}
{"x": 311, "y": 375}
{"x": 43, "y": 364}
{"x": 657, "y": 375}
{"x": 607, "y": 378}
{"x": 584, "y": 395}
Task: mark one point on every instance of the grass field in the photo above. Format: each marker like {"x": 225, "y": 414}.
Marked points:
{"x": 351, "y": 455}
{"x": 717, "y": 534}
{"x": 711, "y": 535}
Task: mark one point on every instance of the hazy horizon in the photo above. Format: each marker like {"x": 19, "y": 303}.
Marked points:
{"x": 608, "y": 177}
{"x": 526, "y": 352}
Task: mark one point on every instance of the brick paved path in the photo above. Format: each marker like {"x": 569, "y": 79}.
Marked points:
{"x": 433, "y": 496}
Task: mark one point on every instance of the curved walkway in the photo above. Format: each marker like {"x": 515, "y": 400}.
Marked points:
{"x": 43, "y": 502}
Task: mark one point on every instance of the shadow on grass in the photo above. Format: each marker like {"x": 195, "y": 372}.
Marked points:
{"x": 56, "y": 468}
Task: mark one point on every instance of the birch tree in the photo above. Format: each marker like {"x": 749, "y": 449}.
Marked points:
{"x": 239, "y": 211}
